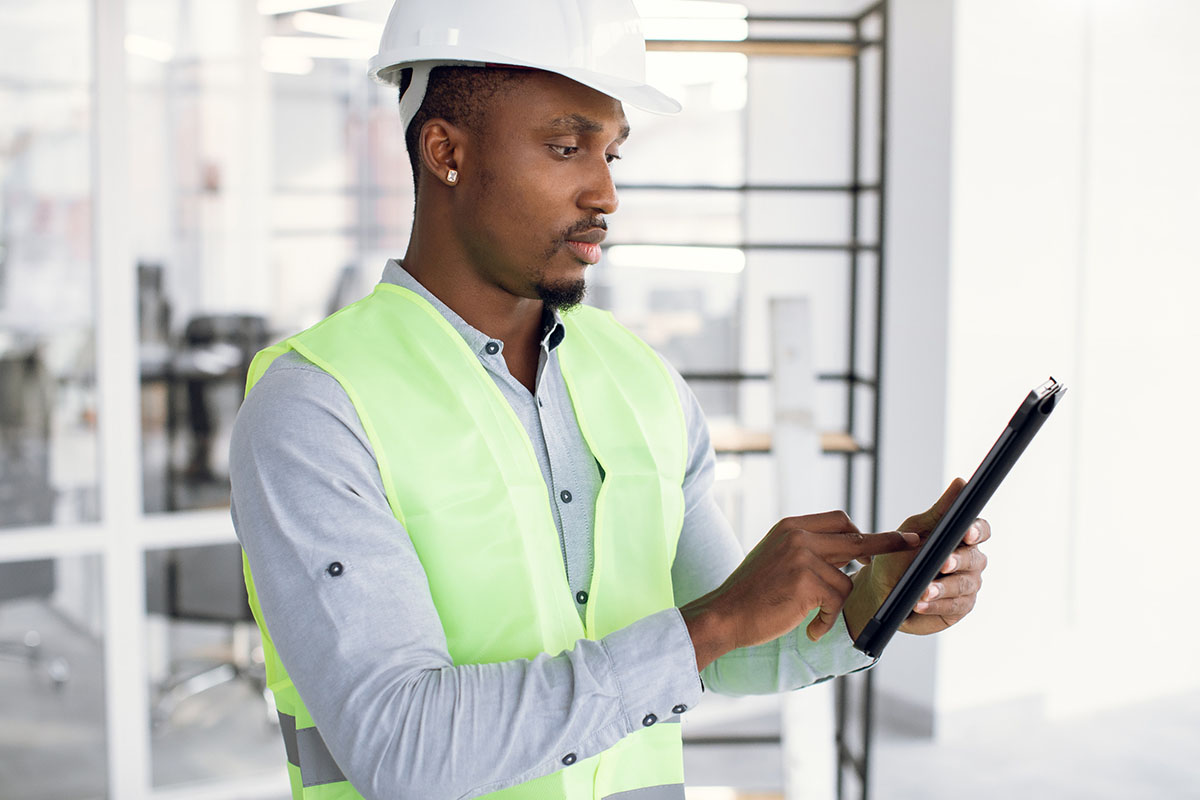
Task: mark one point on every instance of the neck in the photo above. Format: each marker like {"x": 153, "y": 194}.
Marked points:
{"x": 440, "y": 263}
{"x": 485, "y": 306}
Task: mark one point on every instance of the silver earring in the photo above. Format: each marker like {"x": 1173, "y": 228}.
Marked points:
{"x": 452, "y": 177}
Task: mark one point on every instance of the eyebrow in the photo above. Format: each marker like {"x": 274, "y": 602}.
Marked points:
{"x": 578, "y": 123}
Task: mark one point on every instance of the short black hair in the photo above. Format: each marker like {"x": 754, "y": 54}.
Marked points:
{"x": 459, "y": 95}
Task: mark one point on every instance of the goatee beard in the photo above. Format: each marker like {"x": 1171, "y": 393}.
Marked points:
{"x": 562, "y": 296}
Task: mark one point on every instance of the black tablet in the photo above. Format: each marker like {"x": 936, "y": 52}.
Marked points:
{"x": 953, "y": 526}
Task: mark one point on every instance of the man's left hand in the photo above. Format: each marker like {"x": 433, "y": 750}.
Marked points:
{"x": 952, "y": 594}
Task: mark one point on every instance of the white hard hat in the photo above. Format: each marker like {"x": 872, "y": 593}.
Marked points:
{"x": 598, "y": 43}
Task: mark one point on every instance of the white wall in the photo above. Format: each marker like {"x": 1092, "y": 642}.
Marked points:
{"x": 1138, "y": 431}
{"x": 1015, "y": 260}
{"x": 1073, "y": 181}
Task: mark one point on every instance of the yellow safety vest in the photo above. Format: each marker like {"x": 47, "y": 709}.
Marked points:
{"x": 424, "y": 399}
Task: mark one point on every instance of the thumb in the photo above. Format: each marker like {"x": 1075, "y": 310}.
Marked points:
{"x": 944, "y": 502}
{"x": 925, "y": 521}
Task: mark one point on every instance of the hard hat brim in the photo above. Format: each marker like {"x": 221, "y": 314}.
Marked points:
{"x": 385, "y": 69}
{"x": 638, "y": 95}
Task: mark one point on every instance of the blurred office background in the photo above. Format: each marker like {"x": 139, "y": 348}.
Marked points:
{"x": 965, "y": 195}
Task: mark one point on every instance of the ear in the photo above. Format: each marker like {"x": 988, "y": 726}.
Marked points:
{"x": 442, "y": 147}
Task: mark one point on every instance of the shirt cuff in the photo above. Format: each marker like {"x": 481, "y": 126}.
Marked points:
{"x": 655, "y": 667}
{"x": 840, "y": 657}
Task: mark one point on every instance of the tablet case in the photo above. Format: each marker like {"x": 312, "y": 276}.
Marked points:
{"x": 953, "y": 526}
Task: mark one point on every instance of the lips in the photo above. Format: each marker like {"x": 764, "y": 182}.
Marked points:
{"x": 586, "y": 245}
{"x": 585, "y": 251}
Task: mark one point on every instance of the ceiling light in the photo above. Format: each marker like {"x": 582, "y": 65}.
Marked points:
{"x": 693, "y": 20}
{"x": 690, "y": 9}
{"x": 333, "y": 25}
{"x": 153, "y": 49}
{"x": 287, "y": 6}
{"x": 696, "y": 30}
{"x": 318, "y": 47}
{"x": 285, "y": 64}
{"x": 702, "y": 259}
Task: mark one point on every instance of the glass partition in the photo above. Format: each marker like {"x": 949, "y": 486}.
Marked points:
{"x": 192, "y": 185}
{"x": 48, "y": 454}
{"x": 257, "y": 214}
{"x": 266, "y": 198}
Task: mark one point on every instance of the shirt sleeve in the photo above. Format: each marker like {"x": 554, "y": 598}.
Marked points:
{"x": 366, "y": 650}
{"x": 708, "y": 552}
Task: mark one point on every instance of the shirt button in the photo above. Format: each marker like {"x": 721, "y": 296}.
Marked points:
{"x": 565, "y": 495}
{"x": 568, "y": 759}
{"x": 492, "y": 348}
{"x": 335, "y": 569}
{"x": 581, "y": 597}
{"x": 679, "y": 709}
{"x": 649, "y": 720}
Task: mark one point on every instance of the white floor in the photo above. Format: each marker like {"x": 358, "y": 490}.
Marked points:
{"x": 1151, "y": 750}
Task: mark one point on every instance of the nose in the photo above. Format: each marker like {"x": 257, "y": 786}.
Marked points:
{"x": 600, "y": 192}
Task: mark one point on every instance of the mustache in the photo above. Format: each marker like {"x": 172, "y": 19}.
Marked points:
{"x": 585, "y": 225}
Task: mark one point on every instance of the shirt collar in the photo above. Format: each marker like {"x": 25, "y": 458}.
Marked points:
{"x": 395, "y": 273}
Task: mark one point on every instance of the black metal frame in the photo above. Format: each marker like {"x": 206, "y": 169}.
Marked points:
{"x": 860, "y": 762}
{"x": 856, "y": 762}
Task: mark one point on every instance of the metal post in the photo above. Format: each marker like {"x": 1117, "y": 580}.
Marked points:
{"x": 809, "y": 756}
{"x": 852, "y": 299}
{"x": 868, "y": 720}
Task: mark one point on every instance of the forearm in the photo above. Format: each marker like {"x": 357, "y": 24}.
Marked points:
{"x": 463, "y": 731}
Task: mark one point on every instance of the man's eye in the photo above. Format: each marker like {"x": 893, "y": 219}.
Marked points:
{"x": 564, "y": 150}
{"x": 611, "y": 157}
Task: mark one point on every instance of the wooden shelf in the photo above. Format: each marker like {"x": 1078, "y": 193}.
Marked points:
{"x": 761, "y": 47}
{"x": 727, "y": 440}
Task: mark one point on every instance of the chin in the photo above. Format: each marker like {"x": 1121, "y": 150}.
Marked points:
{"x": 562, "y": 295}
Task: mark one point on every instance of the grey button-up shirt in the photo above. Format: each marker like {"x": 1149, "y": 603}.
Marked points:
{"x": 365, "y": 647}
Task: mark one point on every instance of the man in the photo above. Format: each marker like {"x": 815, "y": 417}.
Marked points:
{"x": 479, "y": 529}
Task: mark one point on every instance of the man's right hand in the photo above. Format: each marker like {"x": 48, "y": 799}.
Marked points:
{"x": 794, "y": 569}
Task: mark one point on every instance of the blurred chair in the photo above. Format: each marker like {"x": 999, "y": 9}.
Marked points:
{"x": 215, "y": 348}
{"x": 204, "y": 584}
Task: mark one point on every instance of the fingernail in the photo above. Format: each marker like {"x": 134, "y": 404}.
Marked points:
{"x": 951, "y": 564}
{"x": 933, "y": 591}
{"x": 911, "y": 537}
{"x": 921, "y": 608}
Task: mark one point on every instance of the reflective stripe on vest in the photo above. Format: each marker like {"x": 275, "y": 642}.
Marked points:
{"x": 307, "y": 752}
{"x": 423, "y": 398}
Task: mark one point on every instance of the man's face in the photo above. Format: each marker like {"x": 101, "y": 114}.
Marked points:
{"x": 533, "y": 219}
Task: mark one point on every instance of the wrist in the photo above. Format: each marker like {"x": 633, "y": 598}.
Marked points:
{"x": 709, "y": 632}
